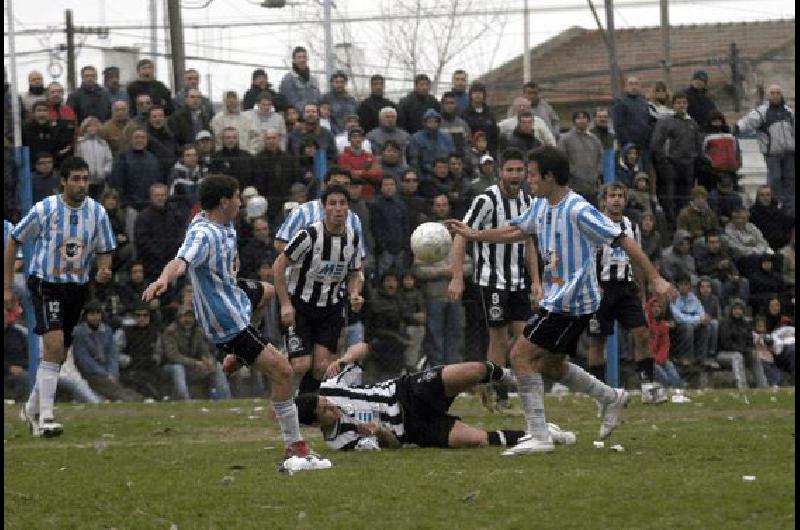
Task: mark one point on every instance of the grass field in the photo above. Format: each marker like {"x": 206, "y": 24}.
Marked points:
{"x": 214, "y": 465}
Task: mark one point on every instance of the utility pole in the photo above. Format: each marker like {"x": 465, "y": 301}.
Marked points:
{"x": 526, "y": 43}
{"x": 612, "y": 49}
{"x": 153, "y": 12}
{"x": 177, "y": 43}
{"x": 70, "y": 29}
{"x": 329, "y": 57}
{"x": 666, "y": 62}
{"x": 736, "y": 77}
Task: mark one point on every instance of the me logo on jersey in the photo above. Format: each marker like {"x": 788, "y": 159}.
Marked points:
{"x": 332, "y": 269}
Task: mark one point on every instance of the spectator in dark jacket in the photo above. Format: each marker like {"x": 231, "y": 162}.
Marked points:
{"x": 146, "y": 84}
{"x": 385, "y": 326}
{"x": 369, "y": 109}
{"x": 770, "y": 218}
{"x": 90, "y": 99}
{"x": 141, "y": 343}
{"x": 257, "y": 250}
{"x": 723, "y": 199}
{"x": 311, "y": 128}
{"x": 430, "y": 143}
{"x": 390, "y": 229}
{"x": 341, "y": 102}
{"x": 479, "y": 116}
{"x": 651, "y": 237}
{"x": 44, "y": 180}
{"x": 233, "y": 161}
{"x": 160, "y": 141}
{"x": 523, "y": 137}
{"x": 675, "y": 145}
{"x": 191, "y": 81}
{"x": 134, "y": 171}
{"x": 632, "y": 120}
{"x": 130, "y": 292}
{"x": 764, "y": 282}
{"x": 191, "y": 118}
{"x": 158, "y": 232}
{"x": 416, "y": 205}
{"x": 261, "y": 84}
{"x": 712, "y": 259}
{"x": 45, "y": 135}
{"x": 411, "y": 108}
{"x": 699, "y": 104}
{"x": 274, "y": 173}
{"x": 123, "y": 254}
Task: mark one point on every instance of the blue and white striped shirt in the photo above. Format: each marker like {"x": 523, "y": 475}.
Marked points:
{"x": 7, "y": 228}
{"x": 221, "y": 307}
{"x": 66, "y": 238}
{"x": 312, "y": 212}
{"x": 569, "y": 235}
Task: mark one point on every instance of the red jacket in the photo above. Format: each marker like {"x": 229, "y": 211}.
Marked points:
{"x": 64, "y": 112}
{"x": 659, "y": 335}
{"x": 364, "y": 166}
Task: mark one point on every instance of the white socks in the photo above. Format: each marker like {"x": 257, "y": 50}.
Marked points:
{"x": 46, "y": 383}
{"x": 531, "y": 393}
{"x": 286, "y": 413}
{"x": 579, "y": 380}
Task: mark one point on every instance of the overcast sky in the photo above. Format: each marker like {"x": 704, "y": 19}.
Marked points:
{"x": 269, "y": 46}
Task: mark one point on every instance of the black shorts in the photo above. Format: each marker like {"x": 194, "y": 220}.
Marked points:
{"x": 246, "y": 346}
{"x": 58, "y": 306}
{"x": 501, "y": 307}
{"x": 556, "y": 332}
{"x": 621, "y": 302}
{"x": 253, "y": 289}
{"x": 316, "y": 325}
{"x": 425, "y": 404}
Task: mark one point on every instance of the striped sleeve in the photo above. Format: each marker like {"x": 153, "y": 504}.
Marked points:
{"x": 355, "y": 262}
{"x": 596, "y": 227}
{"x": 293, "y": 223}
{"x": 7, "y": 228}
{"x": 637, "y": 233}
{"x": 299, "y": 246}
{"x": 357, "y": 229}
{"x": 30, "y": 225}
{"x": 195, "y": 248}
{"x": 526, "y": 221}
{"x": 480, "y": 208}
{"x": 344, "y": 438}
{"x": 104, "y": 239}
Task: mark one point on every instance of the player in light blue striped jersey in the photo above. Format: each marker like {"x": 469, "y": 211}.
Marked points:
{"x": 67, "y": 231}
{"x": 569, "y": 231}
{"x": 224, "y": 306}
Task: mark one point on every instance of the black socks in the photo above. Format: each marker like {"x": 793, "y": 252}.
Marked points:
{"x": 504, "y": 437}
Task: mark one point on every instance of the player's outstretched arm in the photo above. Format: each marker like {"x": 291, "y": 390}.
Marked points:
{"x": 356, "y": 352}
{"x": 282, "y": 290}
{"x": 657, "y": 284}
{"x": 173, "y": 270}
{"x": 506, "y": 234}
{"x": 456, "y": 287}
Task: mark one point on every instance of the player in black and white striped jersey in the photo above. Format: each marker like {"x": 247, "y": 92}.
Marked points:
{"x": 324, "y": 255}
{"x": 411, "y": 410}
{"x": 622, "y": 301}
{"x": 502, "y": 270}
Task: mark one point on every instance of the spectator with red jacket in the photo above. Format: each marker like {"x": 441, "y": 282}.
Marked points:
{"x": 362, "y": 164}
{"x": 659, "y": 327}
{"x": 57, "y": 109}
{"x": 721, "y": 151}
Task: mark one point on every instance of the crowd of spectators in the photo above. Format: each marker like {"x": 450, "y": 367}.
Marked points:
{"x": 419, "y": 159}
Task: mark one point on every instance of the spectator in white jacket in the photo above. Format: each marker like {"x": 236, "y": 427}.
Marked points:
{"x": 97, "y": 154}
{"x": 264, "y": 117}
{"x": 232, "y": 116}
{"x": 540, "y": 129}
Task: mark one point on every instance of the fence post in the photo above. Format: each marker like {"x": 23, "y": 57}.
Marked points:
{"x": 612, "y": 342}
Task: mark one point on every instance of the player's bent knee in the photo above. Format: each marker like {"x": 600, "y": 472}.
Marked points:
{"x": 301, "y": 365}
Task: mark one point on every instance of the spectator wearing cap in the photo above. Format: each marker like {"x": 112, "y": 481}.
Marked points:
{"x": 585, "y": 154}
{"x": 388, "y": 130}
{"x": 191, "y": 117}
{"x": 191, "y": 81}
{"x": 232, "y": 159}
{"x": 343, "y": 138}
{"x": 113, "y": 129}
{"x": 477, "y": 149}
{"x": 96, "y": 356}
{"x": 248, "y": 137}
{"x": 523, "y": 136}
{"x": 116, "y": 92}
{"x": 189, "y": 360}
{"x": 430, "y": 143}
{"x": 298, "y": 86}
{"x": 342, "y": 103}
{"x": 479, "y": 116}
{"x": 148, "y": 84}
{"x": 487, "y": 176}
{"x": 265, "y": 117}
{"x": 361, "y": 163}
{"x": 261, "y": 84}
{"x": 455, "y": 125}
{"x": 141, "y": 345}
{"x": 391, "y": 161}
{"x": 773, "y": 122}
{"x": 158, "y": 232}
{"x": 204, "y": 142}
{"x": 90, "y": 99}
{"x": 675, "y": 145}
{"x": 696, "y": 217}
{"x": 412, "y": 108}
{"x": 370, "y": 107}
{"x": 633, "y": 123}
{"x": 700, "y": 105}
{"x": 274, "y": 172}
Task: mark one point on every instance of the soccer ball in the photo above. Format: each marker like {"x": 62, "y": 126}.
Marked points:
{"x": 431, "y": 242}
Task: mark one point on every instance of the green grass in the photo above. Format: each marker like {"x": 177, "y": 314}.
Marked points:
{"x": 158, "y": 465}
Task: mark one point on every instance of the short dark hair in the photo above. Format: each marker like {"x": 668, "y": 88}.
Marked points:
{"x": 551, "y": 160}
{"x": 157, "y": 107}
{"x": 455, "y": 155}
{"x": 578, "y": 113}
{"x": 334, "y": 190}
{"x": 337, "y": 170}
{"x": 214, "y": 187}
{"x": 298, "y": 49}
{"x": 460, "y": 71}
{"x": 42, "y": 154}
{"x": 307, "y": 407}
{"x": 441, "y": 160}
{"x": 143, "y": 62}
{"x": 448, "y": 95}
{"x": 88, "y": 67}
{"x": 421, "y": 77}
{"x": 391, "y": 143}
{"x": 477, "y": 87}
{"x": 680, "y": 95}
{"x": 377, "y": 77}
{"x": 615, "y": 186}
{"x": 70, "y": 164}
{"x": 264, "y": 95}
{"x": 713, "y": 232}
{"x": 338, "y": 74}
{"x": 512, "y": 153}
{"x": 530, "y": 84}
